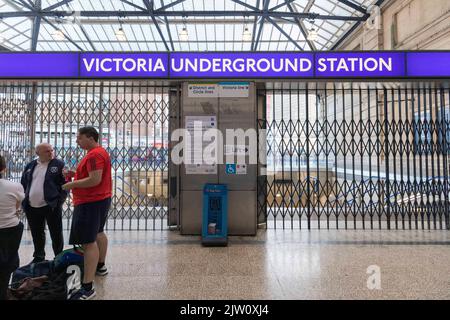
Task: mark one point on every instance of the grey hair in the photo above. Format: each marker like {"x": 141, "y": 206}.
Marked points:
{"x": 36, "y": 149}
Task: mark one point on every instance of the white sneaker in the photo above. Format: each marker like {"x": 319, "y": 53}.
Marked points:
{"x": 103, "y": 271}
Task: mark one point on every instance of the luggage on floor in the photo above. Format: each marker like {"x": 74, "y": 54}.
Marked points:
{"x": 58, "y": 279}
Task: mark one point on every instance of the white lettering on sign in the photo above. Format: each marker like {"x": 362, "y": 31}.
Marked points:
{"x": 354, "y": 64}
{"x": 241, "y": 65}
{"x": 120, "y": 64}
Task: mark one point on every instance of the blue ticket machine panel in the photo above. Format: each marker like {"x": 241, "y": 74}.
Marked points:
{"x": 215, "y": 215}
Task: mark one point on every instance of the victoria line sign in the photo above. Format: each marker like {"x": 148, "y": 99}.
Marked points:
{"x": 227, "y": 65}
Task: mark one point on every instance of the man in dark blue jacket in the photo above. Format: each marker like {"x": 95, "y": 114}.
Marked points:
{"x": 44, "y": 198}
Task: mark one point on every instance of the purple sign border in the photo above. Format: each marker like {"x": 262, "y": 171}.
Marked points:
{"x": 39, "y": 65}
{"x": 68, "y": 65}
{"x": 439, "y": 66}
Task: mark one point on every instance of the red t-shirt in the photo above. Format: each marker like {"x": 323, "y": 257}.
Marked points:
{"x": 95, "y": 159}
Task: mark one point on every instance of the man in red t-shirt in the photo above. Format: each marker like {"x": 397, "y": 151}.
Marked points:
{"x": 92, "y": 191}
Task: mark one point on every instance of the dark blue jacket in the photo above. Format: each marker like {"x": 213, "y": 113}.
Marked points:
{"x": 54, "y": 195}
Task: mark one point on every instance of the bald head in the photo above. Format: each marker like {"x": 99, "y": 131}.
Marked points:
{"x": 44, "y": 152}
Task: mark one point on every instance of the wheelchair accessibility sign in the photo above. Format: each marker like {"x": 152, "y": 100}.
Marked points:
{"x": 232, "y": 168}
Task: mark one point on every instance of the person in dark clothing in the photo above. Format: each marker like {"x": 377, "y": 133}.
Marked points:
{"x": 42, "y": 180}
{"x": 11, "y": 229}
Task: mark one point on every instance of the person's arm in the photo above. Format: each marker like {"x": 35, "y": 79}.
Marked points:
{"x": 20, "y": 195}
{"x": 61, "y": 181}
{"x": 24, "y": 180}
{"x": 95, "y": 165}
{"x": 61, "y": 177}
{"x": 95, "y": 177}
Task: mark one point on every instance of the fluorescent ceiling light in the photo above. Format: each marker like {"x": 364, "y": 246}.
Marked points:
{"x": 246, "y": 35}
{"x": 57, "y": 34}
{"x": 183, "y": 35}
{"x": 120, "y": 35}
{"x": 313, "y": 35}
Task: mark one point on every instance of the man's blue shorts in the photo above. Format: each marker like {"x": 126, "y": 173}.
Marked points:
{"x": 88, "y": 220}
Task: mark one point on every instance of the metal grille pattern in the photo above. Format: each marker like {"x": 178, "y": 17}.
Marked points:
{"x": 15, "y": 122}
{"x": 356, "y": 156}
{"x": 132, "y": 119}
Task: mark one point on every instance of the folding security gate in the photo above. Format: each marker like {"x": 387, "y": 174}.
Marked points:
{"x": 132, "y": 119}
{"x": 350, "y": 155}
{"x": 355, "y": 155}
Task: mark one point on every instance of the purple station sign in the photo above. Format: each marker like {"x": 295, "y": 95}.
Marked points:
{"x": 241, "y": 65}
{"x": 424, "y": 64}
{"x": 38, "y": 65}
{"x": 227, "y": 65}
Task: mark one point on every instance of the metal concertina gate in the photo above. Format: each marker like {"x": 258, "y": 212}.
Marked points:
{"x": 132, "y": 119}
{"x": 355, "y": 155}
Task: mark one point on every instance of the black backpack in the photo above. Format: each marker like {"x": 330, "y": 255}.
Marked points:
{"x": 61, "y": 285}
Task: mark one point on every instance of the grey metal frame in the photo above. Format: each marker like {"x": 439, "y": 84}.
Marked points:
{"x": 263, "y": 12}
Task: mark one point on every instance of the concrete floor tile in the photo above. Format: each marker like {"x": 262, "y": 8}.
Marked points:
{"x": 275, "y": 264}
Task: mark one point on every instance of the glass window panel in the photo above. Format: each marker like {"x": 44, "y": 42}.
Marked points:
{"x": 329, "y": 31}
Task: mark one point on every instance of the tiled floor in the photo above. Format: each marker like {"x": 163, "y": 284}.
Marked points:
{"x": 276, "y": 264}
